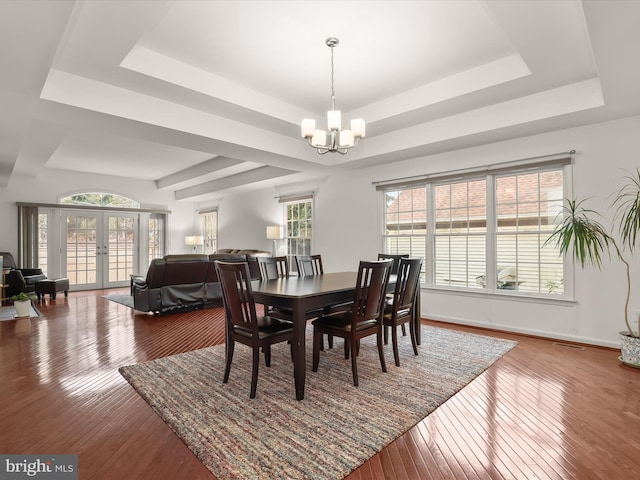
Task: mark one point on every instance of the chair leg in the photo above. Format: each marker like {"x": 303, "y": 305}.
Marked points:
{"x": 404, "y": 330}
{"x": 386, "y": 335}
{"x": 267, "y": 355}
{"x": 394, "y": 340}
{"x": 330, "y": 340}
{"x": 414, "y": 342}
{"x": 380, "y": 350}
{"x": 254, "y": 372}
{"x": 346, "y": 349}
{"x": 227, "y": 368}
{"x": 317, "y": 342}
{"x": 354, "y": 364}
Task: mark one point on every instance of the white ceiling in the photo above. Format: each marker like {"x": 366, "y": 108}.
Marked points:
{"x": 205, "y": 98}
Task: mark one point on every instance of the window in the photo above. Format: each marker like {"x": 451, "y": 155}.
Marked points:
{"x": 157, "y": 223}
{"x": 210, "y": 231}
{"x": 43, "y": 242}
{"x": 406, "y": 222}
{"x": 527, "y": 205}
{"x": 99, "y": 200}
{"x": 460, "y": 211}
{"x": 479, "y": 225}
{"x": 299, "y": 221}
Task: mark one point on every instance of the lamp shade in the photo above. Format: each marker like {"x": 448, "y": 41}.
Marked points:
{"x": 193, "y": 240}
{"x": 333, "y": 120}
{"x": 275, "y": 232}
{"x": 357, "y": 127}
{"x": 346, "y": 138}
{"x": 308, "y": 127}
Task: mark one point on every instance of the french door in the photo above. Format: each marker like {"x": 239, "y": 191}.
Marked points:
{"x": 100, "y": 248}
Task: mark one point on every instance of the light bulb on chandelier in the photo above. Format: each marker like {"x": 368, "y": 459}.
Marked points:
{"x": 337, "y": 140}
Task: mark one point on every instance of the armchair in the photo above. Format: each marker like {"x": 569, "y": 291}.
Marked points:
{"x": 20, "y": 279}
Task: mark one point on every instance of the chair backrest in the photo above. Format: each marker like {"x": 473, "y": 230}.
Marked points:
{"x": 371, "y": 286}
{"x": 309, "y": 265}
{"x": 395, "y": 258}
{"x": 237, "y": 295}
{"x": 407, "y": 282}
{"x": 272, "y": 268}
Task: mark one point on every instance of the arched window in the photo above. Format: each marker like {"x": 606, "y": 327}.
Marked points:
{"x": 95, "y": 199}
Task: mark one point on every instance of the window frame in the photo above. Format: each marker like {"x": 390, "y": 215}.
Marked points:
{"x": 286, "y": 203}
{"x": 210, "y": 243}
{"x": 491, "y": 246}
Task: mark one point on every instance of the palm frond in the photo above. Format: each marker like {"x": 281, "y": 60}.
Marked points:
{"x": 586, "y": 239}
{"x": 627, "y": 210}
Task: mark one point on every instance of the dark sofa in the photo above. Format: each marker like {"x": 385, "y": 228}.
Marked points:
{"x": 187, "y": 281}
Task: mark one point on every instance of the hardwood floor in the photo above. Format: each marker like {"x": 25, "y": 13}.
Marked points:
{"x": 546, "y": 410}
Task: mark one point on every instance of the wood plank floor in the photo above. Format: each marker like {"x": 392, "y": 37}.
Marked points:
{"x": 547, "y": 410}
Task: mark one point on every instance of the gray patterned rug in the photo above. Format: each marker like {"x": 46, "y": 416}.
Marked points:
{"x": 126, "y": 300}
{"x": 336, "y": 428}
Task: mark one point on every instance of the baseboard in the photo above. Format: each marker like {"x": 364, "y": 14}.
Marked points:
{"x": 525, "y": 331}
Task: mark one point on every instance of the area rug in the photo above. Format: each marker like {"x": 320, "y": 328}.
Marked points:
{"x": 337, "y": 426}
{"x": 126, "y": 300}
{"x": 9, "y": 313}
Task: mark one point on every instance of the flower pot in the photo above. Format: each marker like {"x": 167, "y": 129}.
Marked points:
{"x": 22, "y": 308}
{"x": 630, "y": 350}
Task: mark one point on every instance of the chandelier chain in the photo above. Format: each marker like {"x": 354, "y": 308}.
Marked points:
{"x": 333, "y": 91}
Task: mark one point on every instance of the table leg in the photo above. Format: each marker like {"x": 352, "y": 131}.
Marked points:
{"x": 299, "y": 354}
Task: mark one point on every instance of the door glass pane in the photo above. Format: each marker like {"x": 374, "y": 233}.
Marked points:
{"x": 81, "y": 250}
{"x": 120, "y": 248}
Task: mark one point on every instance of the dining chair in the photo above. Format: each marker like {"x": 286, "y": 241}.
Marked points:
{"x": 364, "y": 319}
{"x": 394, "y": 271}
{"x": 243, "y": 325}
{"x": 396, "y": 260}
{"x": 272, "y": 268}
{"x": 309, "y": 265}
{"x": 401, "y": 309}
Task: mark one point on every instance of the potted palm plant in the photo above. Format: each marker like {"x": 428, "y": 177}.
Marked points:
{"x": 22, "y": 304}
{"x": 582, "y": 236}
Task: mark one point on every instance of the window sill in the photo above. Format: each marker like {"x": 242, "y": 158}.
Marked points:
{"x": 501, "y": 295}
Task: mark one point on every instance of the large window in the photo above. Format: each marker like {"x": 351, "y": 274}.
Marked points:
{"x": 475, "y": 226}
{"x": 527, "y": 205}
{"x": 299, "y": 221}
{"x": 460, "y": 212}
{"x": 157, "y": 222}
{"x": 210, "y": 230}
{"x": 43, "y": 242}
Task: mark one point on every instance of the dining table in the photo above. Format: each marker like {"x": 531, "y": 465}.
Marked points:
{"x": 309, "y": 293}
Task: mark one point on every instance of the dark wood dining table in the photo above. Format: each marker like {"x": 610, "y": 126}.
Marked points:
{"x": 303, "y": 294}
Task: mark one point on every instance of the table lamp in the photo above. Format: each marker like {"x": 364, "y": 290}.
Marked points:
{"x": 275, "y": 233}
{"x": 194, "y": 241}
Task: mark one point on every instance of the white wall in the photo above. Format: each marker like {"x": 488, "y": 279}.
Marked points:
{"x": 243, "y": 220}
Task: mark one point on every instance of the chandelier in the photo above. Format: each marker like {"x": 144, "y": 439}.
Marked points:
{"x": 338, "y": 140}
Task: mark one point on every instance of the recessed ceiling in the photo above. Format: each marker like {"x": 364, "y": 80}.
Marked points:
{"x": 205, "y": 98}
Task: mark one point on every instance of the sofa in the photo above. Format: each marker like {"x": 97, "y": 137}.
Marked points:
{"x": 187, "y": 281}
